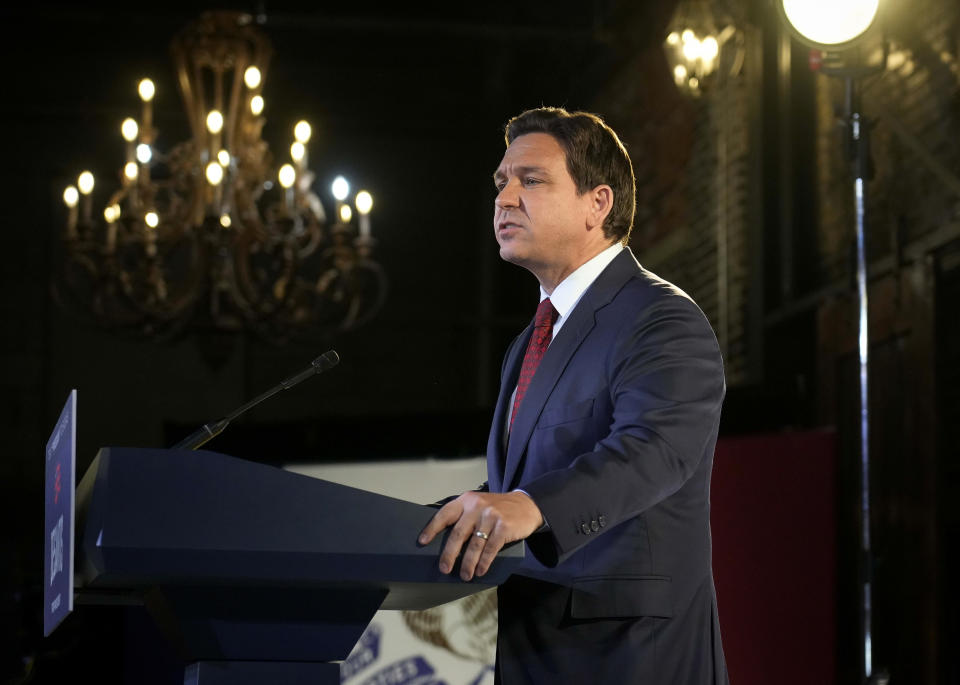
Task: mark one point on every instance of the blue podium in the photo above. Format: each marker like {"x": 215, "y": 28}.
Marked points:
{"x": 255, "y": 574}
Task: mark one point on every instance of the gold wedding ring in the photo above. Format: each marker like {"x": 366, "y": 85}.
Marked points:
{"x": 481, "y": 534}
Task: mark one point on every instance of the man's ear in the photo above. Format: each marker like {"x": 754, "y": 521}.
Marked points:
{"x": 601, "y": 202}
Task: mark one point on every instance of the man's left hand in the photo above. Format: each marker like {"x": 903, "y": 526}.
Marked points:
{"x": 503, "y": 518}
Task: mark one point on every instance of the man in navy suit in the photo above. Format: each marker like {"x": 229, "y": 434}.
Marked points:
{"x": 602, "y": 442}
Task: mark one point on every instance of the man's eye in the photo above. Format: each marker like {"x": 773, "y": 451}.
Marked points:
{"x": 531, "y": 181}
{"x": 499, "y": 186}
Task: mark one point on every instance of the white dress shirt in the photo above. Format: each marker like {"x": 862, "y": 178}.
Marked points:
{"x": 568, "y": 293}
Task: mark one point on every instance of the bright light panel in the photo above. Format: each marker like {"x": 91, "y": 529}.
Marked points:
{"x": 830, "y": 22}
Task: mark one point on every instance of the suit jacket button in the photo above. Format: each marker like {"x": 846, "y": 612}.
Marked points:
{"x": 602, "y": 520}
{"x": 594, "y": 526}
{"x": 585, "y": 528}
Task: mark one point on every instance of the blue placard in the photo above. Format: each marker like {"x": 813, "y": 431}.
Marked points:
{"x": 61, "y": 463}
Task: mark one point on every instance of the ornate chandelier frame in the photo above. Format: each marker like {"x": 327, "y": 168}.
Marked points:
{"x": 212, "y": 234}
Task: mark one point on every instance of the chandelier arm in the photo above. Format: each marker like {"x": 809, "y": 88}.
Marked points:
{"x": 315, "y": 235}
{"x": 358, "y": 314}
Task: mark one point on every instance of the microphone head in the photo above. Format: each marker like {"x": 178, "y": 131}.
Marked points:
{"x": 325, "y": 361}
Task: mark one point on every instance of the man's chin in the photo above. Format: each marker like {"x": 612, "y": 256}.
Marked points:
{"x": 512, "y": 251}
{"x": 509, "y": 254}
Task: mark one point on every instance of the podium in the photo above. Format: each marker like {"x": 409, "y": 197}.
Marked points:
{"x": 255, "y": 574}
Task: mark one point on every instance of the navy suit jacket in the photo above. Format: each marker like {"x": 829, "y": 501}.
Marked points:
{"x": 614, "y": 441}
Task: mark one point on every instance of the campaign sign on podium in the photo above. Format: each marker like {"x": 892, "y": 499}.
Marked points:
{"x": 61, "y": 462}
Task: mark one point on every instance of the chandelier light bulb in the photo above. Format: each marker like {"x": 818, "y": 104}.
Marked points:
{"x": 214, "y": 173}
{"x": 144, "y": 153}
{"x": 297, "y": 150}
{"x": 70, "y": 196}
{"x": 302, "y": 132}
{"x": 225, "y": 220}
{"x": 85, "y": 182}
{"x": 224, "y": 158}
{"x": 340, "y": 188}
{"x": 252, "y": 77}
{"x": 129, "y": 130}
{"x": 673, "y": 38}
{"x": 830, "y": 22}
{"x": 709, "y": 48}
{"x": 692, "y": 49}
{"x": 146, "y": 90}
{"x": 256, "y": 105}
{"x": 130, "y": 170}
{"x": 287, "y": 175}
{"x": 687, "y": 36}
{"x": 364, "y": 202}
{"x": 110, "y": 214}
{"x": 346, "y": 214}
{"x": 214, "y": 121}
{"x": 151, "y": 219}
{"x": 680, "y": 72}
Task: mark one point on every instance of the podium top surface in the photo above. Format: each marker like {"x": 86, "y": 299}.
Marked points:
{"x": 162, "y": 518}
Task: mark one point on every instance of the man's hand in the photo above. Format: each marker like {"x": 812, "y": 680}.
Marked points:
{"x": 503, "y": 518}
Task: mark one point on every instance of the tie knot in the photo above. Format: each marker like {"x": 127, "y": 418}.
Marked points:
{"x": 546, "y": 314}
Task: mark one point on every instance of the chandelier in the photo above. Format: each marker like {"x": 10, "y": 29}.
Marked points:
{"x": 701, "y": 42}
{"x": 216, "y": 233}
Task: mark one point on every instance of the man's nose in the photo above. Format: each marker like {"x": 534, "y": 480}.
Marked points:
{"x": 508, "y": 195}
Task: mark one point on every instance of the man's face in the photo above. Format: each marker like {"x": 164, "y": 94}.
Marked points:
{"x": 539, "y": 219}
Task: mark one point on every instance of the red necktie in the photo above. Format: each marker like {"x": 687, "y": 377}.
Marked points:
{"x": 536, "y": 348}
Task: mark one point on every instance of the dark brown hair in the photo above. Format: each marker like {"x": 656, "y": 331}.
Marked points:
{"x": 595, "y": 156}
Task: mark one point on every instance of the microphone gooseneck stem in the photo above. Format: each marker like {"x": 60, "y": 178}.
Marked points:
{"x": 201, "y": 436}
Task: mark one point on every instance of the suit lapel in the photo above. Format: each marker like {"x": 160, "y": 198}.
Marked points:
{"x": 567, "y": 341}
{"x": 496, "y": 444}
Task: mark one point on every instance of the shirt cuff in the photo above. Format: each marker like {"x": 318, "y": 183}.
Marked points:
{"x": 546, "y": 526}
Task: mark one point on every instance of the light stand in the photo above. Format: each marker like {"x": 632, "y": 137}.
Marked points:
{"x": 858, "y": 130}
{"x": 818, "y": 24}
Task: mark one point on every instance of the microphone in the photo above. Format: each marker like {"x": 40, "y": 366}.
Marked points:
{"x": 199, "y": 437}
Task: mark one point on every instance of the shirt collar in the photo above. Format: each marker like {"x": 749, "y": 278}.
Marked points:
{"x": 566, "y": 295}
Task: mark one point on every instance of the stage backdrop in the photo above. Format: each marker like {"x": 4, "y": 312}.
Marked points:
{"x": 452, "y": 644}
{"x": 773, "y": 519}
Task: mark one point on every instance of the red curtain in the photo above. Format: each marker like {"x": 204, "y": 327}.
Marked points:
{"x": 774, "y": 556}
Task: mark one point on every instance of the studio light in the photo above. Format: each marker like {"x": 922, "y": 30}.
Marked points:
{"x": 829, "y": 24}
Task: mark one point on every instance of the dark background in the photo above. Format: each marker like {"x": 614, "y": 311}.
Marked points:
{"x": 408, "y": 100}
